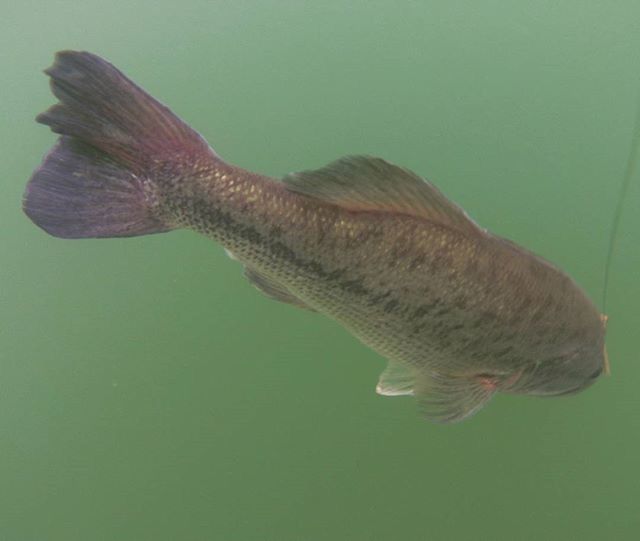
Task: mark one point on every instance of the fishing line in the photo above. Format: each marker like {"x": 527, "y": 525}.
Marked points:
{"x": 630, "y": 171}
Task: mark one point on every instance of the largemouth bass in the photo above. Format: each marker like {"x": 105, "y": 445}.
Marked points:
{"x": 459, "y": 313}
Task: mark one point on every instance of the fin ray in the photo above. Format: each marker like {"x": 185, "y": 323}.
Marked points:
{"x": 79, "y": 192}
{"x": 100, "y": 179}
{"x": 448, "y": 399}
{"x": 99, "y": 105}
{"x": 396, "y": 380}
{"x": 366, "y": 183}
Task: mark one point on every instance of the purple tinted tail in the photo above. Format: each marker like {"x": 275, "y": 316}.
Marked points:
{"x": 79, "y": 192}
{"x": 99, "y": 180}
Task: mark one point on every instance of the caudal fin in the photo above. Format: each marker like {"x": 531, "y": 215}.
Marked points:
{"x": 101, "y": 178}
{"x": 79, "y": 192}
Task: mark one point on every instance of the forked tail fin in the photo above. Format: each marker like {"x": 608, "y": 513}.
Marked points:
{"x": 99, "y": 180}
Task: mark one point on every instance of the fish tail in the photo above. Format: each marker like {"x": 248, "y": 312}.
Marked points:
{"x": 101, "y": 177}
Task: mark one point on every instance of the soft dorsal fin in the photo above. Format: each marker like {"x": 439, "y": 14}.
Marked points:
{"x": 366, "y": 183}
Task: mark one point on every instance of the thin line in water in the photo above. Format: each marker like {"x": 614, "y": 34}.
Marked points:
{"x": 630, "y": 172}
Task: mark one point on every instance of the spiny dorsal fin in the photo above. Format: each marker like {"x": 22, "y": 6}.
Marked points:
{"x": 273, "y": 289}
{"x": 366, "y": 183}
{"x": 395, "y": 380}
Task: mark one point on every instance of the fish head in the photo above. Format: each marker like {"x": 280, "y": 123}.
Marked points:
{"x": 571, "y": 369}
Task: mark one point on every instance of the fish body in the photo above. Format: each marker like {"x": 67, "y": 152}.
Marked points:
{"x": 459, "y": 313}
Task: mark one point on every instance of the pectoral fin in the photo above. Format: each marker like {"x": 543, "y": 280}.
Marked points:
{"x": 449, "y": 399}
{"x": 442, "y": 399}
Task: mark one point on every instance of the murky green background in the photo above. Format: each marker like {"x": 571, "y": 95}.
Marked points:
{"x": 148, "y": 393}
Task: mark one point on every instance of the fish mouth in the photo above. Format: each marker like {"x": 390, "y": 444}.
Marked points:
{"x": 568, "y": 392}
{"x": 551, "y": 394}
{"x": 573, "y": 390}
{"x": 529, "y": 385}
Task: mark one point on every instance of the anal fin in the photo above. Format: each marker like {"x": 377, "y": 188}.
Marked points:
{"x": 273, "y": 289}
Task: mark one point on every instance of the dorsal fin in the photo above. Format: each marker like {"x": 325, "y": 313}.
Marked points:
{"x": 366, "y": 183}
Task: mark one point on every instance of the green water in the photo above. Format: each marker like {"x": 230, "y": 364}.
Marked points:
{"x": 148, "y": 393}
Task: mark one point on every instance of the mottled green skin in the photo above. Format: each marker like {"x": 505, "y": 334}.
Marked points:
{"x": 438, "y": 299}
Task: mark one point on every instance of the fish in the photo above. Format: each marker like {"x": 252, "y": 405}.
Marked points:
{"x": 460, "y": 313}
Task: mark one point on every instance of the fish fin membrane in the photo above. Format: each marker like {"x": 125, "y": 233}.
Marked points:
{"x": 116, "y": 140}
{"x": 396, "y": 380}
{"x": 366, "y": 183}
{"x": 102, "y": 107}
{"x": 447, "y": 399}
{"x": 79, "y": 192}
{"x": 273, "y": 289}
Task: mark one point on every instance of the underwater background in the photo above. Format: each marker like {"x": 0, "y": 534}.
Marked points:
{"x": 148, "y": 392}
